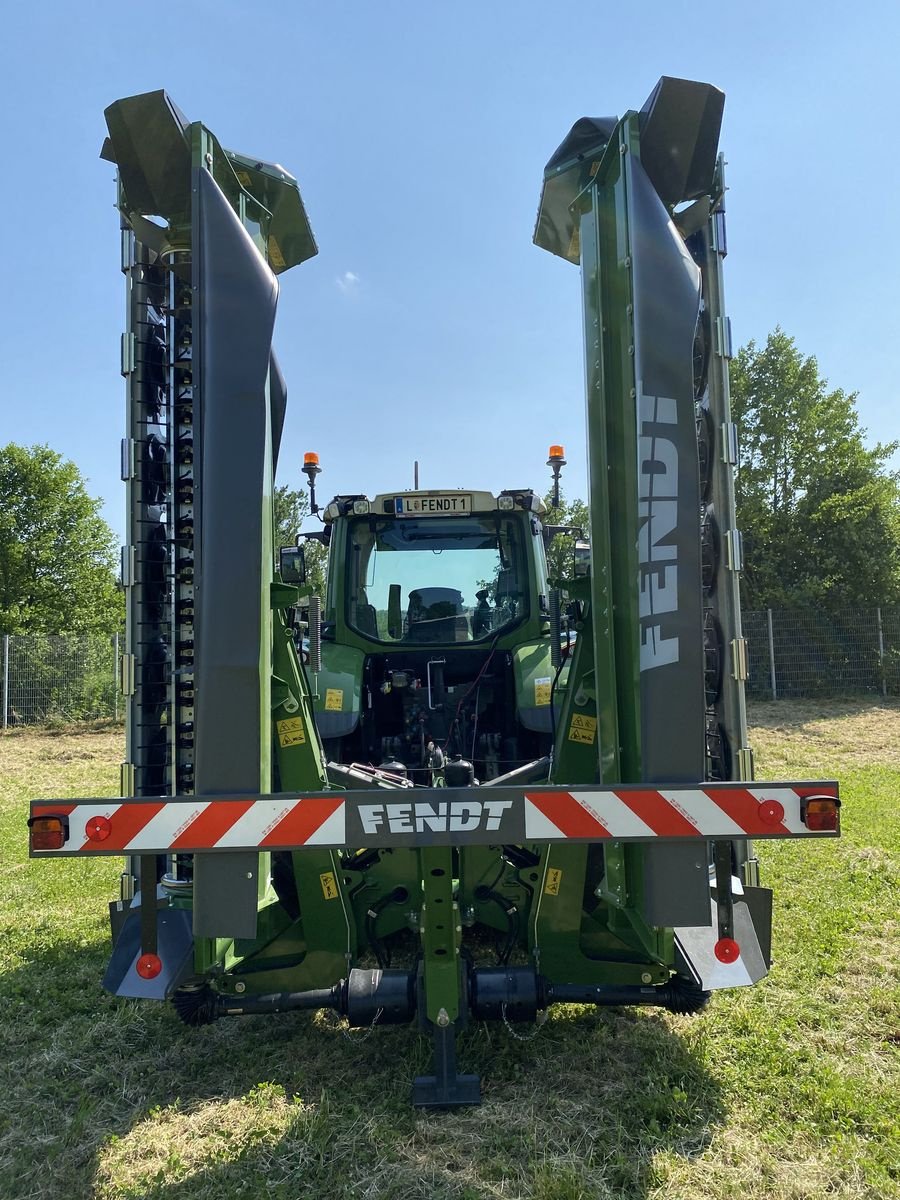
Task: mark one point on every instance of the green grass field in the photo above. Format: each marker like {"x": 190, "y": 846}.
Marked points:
{"x": 787, "y": 1090}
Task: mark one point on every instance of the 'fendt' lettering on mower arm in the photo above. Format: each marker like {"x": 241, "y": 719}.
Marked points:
{"x": 334, "y": 820}
{"x": 658, "y": 517}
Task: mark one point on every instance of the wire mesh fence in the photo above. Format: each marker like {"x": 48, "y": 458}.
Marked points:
{"x": 792, "y": 652}
{"x": 48, "y": 678}
{"x": 808, "y": 652}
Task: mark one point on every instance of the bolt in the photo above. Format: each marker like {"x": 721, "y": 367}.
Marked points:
{"x": 240, "y": 986}
{"x": 249, "y": 874}
{"x": 443, "y": 1018}
{"x": 646, "y": 977}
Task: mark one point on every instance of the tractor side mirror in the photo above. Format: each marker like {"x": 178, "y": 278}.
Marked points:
{"x": 292, "y": 565}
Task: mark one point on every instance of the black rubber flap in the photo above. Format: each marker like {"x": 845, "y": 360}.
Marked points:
{"x": 149, "y": 143}
{"x": 233, "y": 323}
{"x": 680, "y": 125}
{"x": 666, "y": 307}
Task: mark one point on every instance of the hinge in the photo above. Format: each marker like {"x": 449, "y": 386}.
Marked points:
{"x": 729, "y": 443}
{"x": 127, "y": 243}
{"x": 126, "y": 779}
{"x": 745, "y": 763}
{"x": 127, "y": 566}
{"x": 739, "y": 664}
{"x": 126, "y": 469}
{"x": 734, "y": 550}
{"x": 723, "y": 337}
{"x": 128, "y": 341}
{"x": 126, "y": 674}
{"x": 750, "y": 872}
{"x": 719, "y": 234}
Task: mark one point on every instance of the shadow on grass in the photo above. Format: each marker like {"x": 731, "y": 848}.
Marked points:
{"x": 110, "y": 1098}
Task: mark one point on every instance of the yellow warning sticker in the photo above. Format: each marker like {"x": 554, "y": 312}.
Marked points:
{"x": 583, "y": 729}
{"x": 276, "y": 258}
{"x": 290, "y": 732}
{"x": 334, "y": 699}
{"x": 329, "y": 885}
{"x": 542, "y": 691}
{"x": 554, "y": 879}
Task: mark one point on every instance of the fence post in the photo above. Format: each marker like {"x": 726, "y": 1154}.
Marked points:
{"x": 116, "y": 677}
{"x": 5, "y": 680}
{"x": 771, "y": 655}
{"x": 881, "y": 652}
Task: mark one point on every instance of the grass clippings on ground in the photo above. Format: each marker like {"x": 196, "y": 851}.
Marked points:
{"x": 787, "y": 1091}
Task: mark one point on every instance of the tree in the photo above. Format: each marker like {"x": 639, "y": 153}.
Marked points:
{"x": 57, "y": 554}
{"x": 819, "y": 510}
{"x": 291, "y": 507}
{"x": 560, "y": 553}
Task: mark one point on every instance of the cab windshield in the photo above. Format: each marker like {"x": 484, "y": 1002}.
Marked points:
{"x": 435, "y": 579}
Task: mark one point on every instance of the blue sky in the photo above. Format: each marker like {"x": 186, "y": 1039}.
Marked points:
{"x": 429, "y": 326}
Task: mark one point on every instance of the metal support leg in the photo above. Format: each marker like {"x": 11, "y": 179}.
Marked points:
{"x": 445, "y": 1088}
{"x": 724, "y": 895}
{"x": 443, "y": 1004}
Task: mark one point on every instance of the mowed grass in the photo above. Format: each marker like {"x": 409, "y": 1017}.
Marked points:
{"x": 787, "y": 1090}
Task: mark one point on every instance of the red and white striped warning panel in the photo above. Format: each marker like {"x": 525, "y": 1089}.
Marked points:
{"x": 434, "y": 816}
{"x": 639, "y": 814}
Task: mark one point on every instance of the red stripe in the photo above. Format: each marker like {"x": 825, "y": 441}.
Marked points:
{"x": 127, "y": 821}
{"x": 743, "y": 808}
{"x": 52, "y": 810}
{"x": 659, "y": 814}
{"x": 570, "y": 817}
{"x": 213, "y": 823}
{"x": 297, "y": 827}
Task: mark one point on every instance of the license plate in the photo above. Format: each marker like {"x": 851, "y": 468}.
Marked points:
{"x": 432, "y": 506}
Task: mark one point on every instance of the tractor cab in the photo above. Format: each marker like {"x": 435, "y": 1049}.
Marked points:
{"x": 435, "y": 630}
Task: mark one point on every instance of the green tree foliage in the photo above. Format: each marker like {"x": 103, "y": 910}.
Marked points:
{"x": 57, "y": 554}
{"x": 291, "y": 508}
{"x": 560, "y": 554}
{"x": 819, "y": 510}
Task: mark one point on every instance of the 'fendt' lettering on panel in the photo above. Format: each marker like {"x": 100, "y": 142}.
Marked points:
{"x": 658, "y": 516}
{"x": 446, "y": 816}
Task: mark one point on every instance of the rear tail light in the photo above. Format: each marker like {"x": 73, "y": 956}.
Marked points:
{"x": 48, "y": 833}
{"x": 820, "y": 814}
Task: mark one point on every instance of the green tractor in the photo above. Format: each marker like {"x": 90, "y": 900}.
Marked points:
{"x": 437, "y": 633}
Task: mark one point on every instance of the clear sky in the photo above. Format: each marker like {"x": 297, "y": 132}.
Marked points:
{"x": 429, "y": 326}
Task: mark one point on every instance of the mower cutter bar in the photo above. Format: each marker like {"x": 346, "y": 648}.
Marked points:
{"x": 434, "y": 817}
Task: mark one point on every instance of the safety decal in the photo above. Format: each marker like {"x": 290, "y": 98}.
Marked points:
{"x": 329, "y": 885}
{"x": 334, "y": 699}
{"x": 542, "y": 691}
{"x": 583, "y": 729}
{"x": 290, "y": 732}
{"x": 554, "y": 879}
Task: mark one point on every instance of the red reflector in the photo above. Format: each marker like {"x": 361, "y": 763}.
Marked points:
{"x": 98, "y": 829}
{"x": 821, "y": 815}
{"x": 48, "y": 833}
{"x": 771, "y": 812}
{"x": 727, "y": 950}
{"x": 148, "y": 966}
